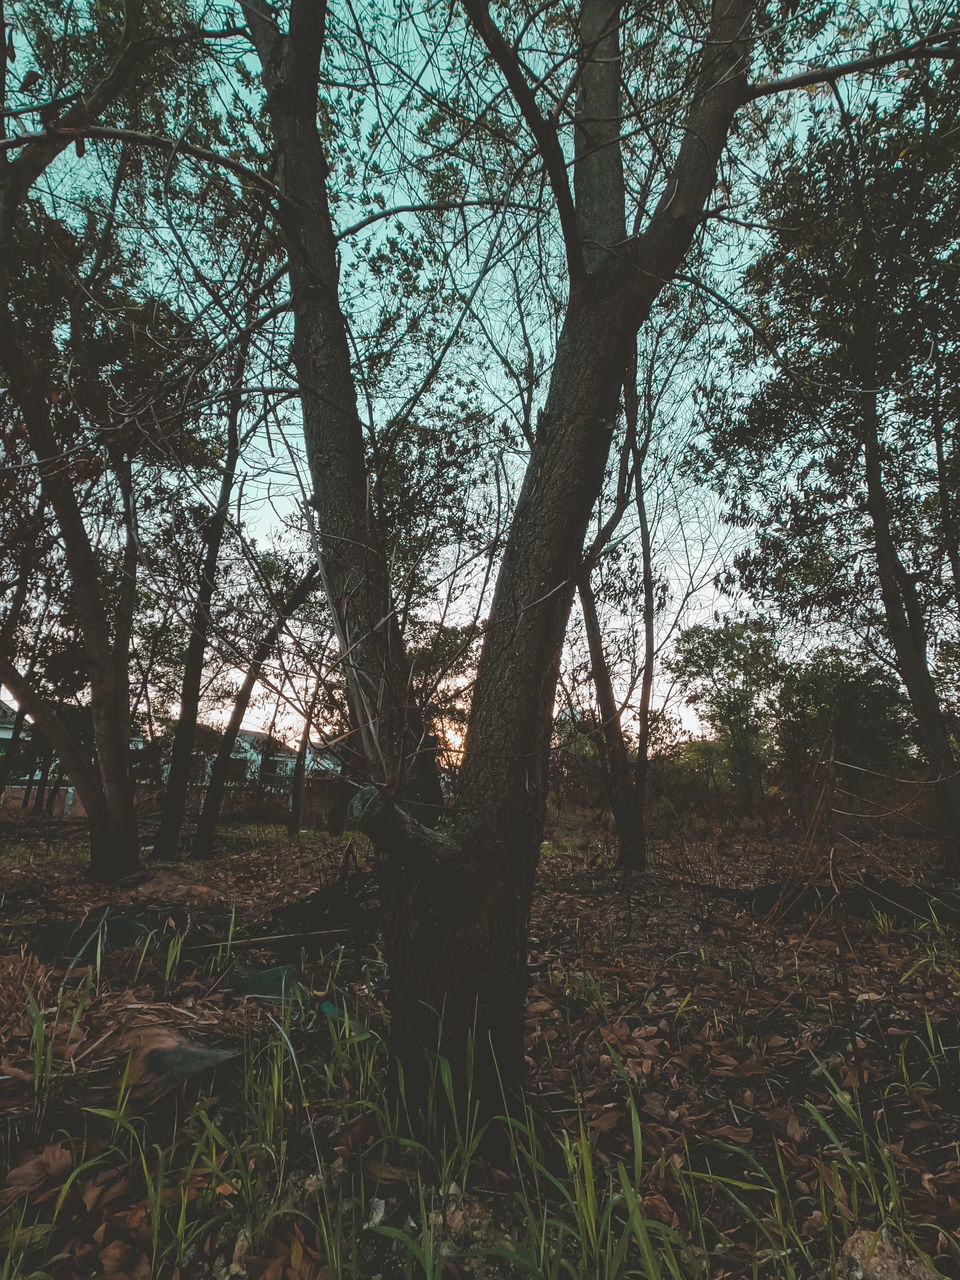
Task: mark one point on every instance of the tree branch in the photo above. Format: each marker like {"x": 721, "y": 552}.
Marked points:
{"x": 444, "y": 206}
{"x": 923, "y": 48}
{"x": 173, "y": 146}
{"x": 402, "y": 839}
{"x": 543, "y": 130}
{"x": 720, "y": 90}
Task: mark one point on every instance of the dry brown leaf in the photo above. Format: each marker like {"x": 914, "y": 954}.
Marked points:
{"x": 732, "y": 1133}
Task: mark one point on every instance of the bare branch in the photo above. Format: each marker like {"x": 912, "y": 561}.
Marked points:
{"x": 173, "y": 146}
{"x": 932, "y": 46}
{"x": 544, "y": 132}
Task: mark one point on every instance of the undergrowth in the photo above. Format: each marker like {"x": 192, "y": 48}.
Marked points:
{"x": 295, "y": 1159}
{"x": 288, "y": 1157}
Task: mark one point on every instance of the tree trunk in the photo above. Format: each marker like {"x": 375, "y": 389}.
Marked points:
{"x": 27, "y": 358}
{"x": 46, "y": 760}
{"x": 108, "y": 800}
{"x": 354, "y": 564}
{"x": 54, "y": 788}
{"x": 213, "y": 796}
{"x": 636, "y": 859}
{"x": 299, "y": 780}
{"x": 111, "y": 838}
{"x": 904, "y": 614}
{"x": 620, "y": 778}
{"x": 167, "y": 842}
{"x": 946, "y": 492}
{"x": 898, "y": 590}
{"x": 106, "y": 659}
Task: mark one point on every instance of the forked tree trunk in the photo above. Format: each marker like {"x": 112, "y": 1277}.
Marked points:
{"x": 457, "y": 897}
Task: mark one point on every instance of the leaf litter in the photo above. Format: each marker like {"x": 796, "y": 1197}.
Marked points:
{"x": 773, "y": 1044}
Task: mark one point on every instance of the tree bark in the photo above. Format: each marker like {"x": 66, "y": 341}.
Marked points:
{"x": 354, "y": 565}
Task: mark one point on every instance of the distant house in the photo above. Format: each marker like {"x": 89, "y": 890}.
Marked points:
{"x": 272, "y": 762}
{"x": 8, "y": 715}
{"x": 267, "y": 760}
{"x": 320, "y": 759}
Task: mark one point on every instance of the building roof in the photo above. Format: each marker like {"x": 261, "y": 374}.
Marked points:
{"x": 257, "y": 738}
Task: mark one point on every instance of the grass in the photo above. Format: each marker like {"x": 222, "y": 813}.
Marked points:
{"x": 236, "y": 1179}
{"x": 296, "y": 1156}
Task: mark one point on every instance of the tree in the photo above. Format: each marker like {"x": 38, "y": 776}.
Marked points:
{"x": 731, "y": 672}
{"x": 295, "y": 596}
{"x": 457, "y": 891}
{"x": 846, "y": 455}
{"x": 86, "y": 348}
{"x": 457, "y": 879}
{"x": 843, "y": 708}
{"x": 649, "y": 578}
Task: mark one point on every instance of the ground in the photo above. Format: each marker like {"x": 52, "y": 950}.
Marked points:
{"x": 746, "y": 1062}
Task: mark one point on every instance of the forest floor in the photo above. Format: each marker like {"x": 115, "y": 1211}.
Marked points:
{"x": 745, "y": 1064}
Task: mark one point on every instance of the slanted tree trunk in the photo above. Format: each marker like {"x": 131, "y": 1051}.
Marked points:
{"x": 904, "y": 614}
{"x": 299, "y": 780}
{"x": 902, "y": 606}
{"x": 167, "y": 842}
{"x": 457, "y": 897}
{"x": 631, "y": 840}
{"x": 213, "y": 796}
